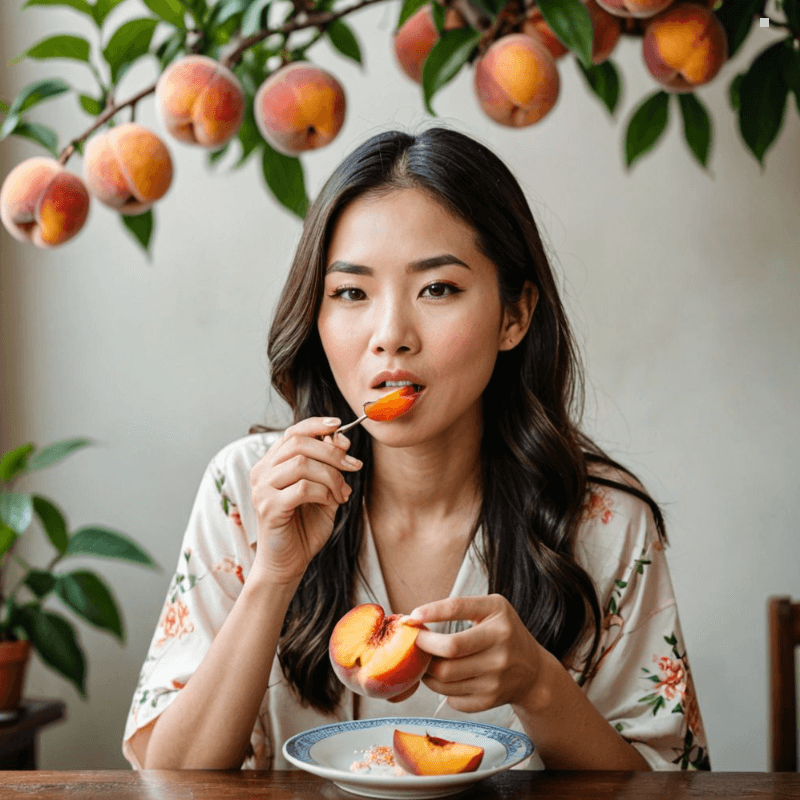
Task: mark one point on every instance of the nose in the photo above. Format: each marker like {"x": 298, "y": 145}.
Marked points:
{"x": 394, "y": 328}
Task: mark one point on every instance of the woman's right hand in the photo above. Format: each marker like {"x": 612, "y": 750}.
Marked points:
{"x": 296, "y": 488}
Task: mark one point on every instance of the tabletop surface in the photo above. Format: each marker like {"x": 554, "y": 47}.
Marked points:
{"x": 296, "y": 784}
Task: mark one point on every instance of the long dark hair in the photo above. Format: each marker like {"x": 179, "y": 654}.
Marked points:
{"x": 535, "y": 460}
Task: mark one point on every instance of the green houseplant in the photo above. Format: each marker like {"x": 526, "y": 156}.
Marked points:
{"x": 25, "y": 625}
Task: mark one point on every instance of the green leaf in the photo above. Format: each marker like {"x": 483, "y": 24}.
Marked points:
{"x": 735, "y": 90}
{"x": 90, "y": 597}
{"x": 7, "y": 538}
{"x": 696, "y": 125}
{"x": 32, "y": 94}
{"x": 447, "y": 56}
{"x": 54, "y": 639}
{"x": 644, "y": 130}
{"x": 141, "y": 226}
{"x": 604, "y": 80}
{"x": 410, "y": 7}
{"x": 40, "y": 134}
{"x": 49, "y": 455}
{"x": 344, "y": 40}
{"x": 251, "y": 20}
{"x": 53, "y": 522}
{"x": 169, "y": 48}
{"x": 90, "y": 541}
{"x": 129, "y": 42}
{"x": 12, "y": 463}
{"x": 763, "y": 94}
{"x": 74, "y": 47}
{"x": 249, "y": 137}
{"x": 90, "y": 105}
{"x": 102, "y": 9}
{"x": 737, "y": 17}
{"x": 171, "y": 11}
{"x": 284, "y": 176}
{"x": 215, "y": 155}
{"x": 571, "y": 23}
{"x": 791, "y": 8}
{"x": 40, "y": 582}
{"x": 16, "y": 511}
{"x": 227, "y": 9}
{"x": 78, "y": 5}
{"x": 439, "y": 14}
{"x": 4, "y": 107}
{"x": 791, "y": 70}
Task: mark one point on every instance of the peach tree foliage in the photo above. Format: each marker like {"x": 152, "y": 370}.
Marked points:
{"x": 169, "y": 29}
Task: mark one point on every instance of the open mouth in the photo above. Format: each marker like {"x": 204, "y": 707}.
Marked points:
{"x": 418, "y": 387}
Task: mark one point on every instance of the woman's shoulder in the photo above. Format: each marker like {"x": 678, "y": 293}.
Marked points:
{"x": 242, "y": 454}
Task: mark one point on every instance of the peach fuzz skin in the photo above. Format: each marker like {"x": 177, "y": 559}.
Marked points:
{"x": 685, "y": 47}
{"x": 640, "y": 9}
{"x": 128, "y": 168}
{"x": 375, "y": 655}
{"x": 43, "y": 203}
{"x": 606, "y": 32}
{"x": 415, "y": 38}
{"x": 517, "y": 81}
{"x": 423, "y": 754}
{"x": 199, "y": 101}
{"x": 299, "y": 107}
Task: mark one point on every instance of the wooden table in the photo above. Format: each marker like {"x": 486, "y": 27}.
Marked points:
{"x": 18, "y": 736}
{"x": 297, "y": 785}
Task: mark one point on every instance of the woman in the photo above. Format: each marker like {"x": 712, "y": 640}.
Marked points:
{"x": 483, "y": 504}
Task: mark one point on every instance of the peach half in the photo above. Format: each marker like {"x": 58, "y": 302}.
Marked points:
{"x": 375, "y": 655}
{"x": 41, "y": 202}
{"x": 429, "y": 755}
{"x": 200, "y": 101}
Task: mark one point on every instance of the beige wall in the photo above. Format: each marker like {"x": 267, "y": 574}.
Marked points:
{"x": 683, "y": 289}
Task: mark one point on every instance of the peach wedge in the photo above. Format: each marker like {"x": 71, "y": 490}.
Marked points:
{"x": 429, "y": 755}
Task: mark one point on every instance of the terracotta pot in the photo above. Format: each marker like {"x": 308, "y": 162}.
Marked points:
{"x": 14, "y": 658}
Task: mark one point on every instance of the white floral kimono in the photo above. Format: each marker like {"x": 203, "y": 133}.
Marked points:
{"x": 642, "y": 683}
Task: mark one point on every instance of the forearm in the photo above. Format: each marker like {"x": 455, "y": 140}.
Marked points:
{"x": 208, "y": 725}
{"x": 569, "y": 732}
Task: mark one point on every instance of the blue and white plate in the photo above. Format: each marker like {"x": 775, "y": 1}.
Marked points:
{"x": 330, "y": 750}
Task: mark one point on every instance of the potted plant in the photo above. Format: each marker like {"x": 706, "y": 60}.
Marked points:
{"x": 26, "y": 626}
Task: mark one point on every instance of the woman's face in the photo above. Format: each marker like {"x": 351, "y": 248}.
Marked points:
{"x": 378, "y": 312}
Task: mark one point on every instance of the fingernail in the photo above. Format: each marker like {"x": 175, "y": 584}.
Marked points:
{"x": 353, "y": 462}
{"x": 331, "y": 421}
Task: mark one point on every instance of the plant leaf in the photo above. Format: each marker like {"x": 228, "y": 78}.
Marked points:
{"x": 734, "y": 91}
{"x": 571, "y": 23}
{"x": 791, "y": 70}
{"x": 249, "y": 137}
{"x": 74, "y": 47}
{"x": 737, "y": 18}
{"x": 54, "y": 639}
{"x": 78, "y": 5}
{"x": 16, "y": 511}
{"x": 40, "y": 134}
{"x": 53, "y": 522}
{"x": 763, "y": 95}
{"x": 410, "y": 7}
{"x": 141, "y": 226}
{"x": 90, "y": 541}
{"x": 344, "y": 40}
{"x": 55, "y": 452}
{"x": 7, "y": 538}
{"x": 171, "y": 11}
{"x": 129, "y": 42}
{"x": 284, "y": 176}
{"x": 447, "y": 56}
{"x": 32, "y": 94}
{"x": 12, "y": 463}
{"x": 102, "y": 8}
{"x": 646, "y": 126}
{"x": 604, "y": 80}
{"x": 90, "y": 597}
{"x": 696, "y": 125}
{"x": 40, "y": 582}
{"x": 90, "y": 105}
{"x": 251, "y": 19}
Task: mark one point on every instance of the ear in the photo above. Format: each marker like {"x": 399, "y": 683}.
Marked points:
{"x": 517, "y": 321}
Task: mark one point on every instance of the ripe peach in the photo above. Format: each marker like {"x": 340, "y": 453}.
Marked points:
{"x": 635, "y": 8}
{"x": 200, "y": 101}
{"x": 430, "y": 755}
{"x": 516, "y": 80}
{"x": 376, "y": 655}
{"x": 535, "y": 25}
{"x": 415, "y": 38}
{"x": 685, "y": 47}
{"x": 128, "y": 168}
{"x": 299, "y": 107}
{"x": 41, "y": 202}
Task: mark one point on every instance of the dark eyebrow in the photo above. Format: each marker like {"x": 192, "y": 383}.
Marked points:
{"x": 414, "y": 266}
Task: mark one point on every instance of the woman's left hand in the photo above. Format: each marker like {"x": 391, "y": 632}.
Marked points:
{"x": 494, "y": 662}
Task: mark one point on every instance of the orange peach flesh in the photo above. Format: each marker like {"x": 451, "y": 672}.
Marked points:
{"x": 392, "y": 405}
{"x": 430, "y": 755}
